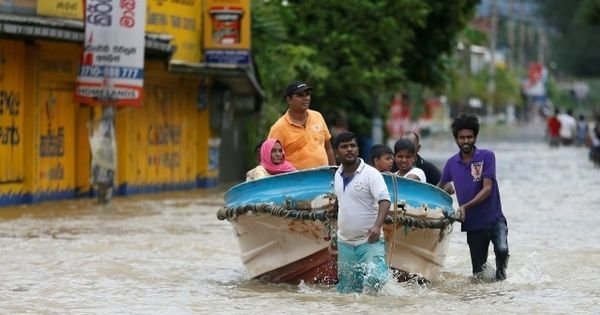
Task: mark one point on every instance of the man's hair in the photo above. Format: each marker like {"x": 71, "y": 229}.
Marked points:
{"x": 411, "y": 134}
{"x": 257, "y": 148}
{"x": 343, "y": 137}
{"x": 259, "y": 145}
{"x": 404, "y": 144}
{"x": 465, "y": 121}
{"x": 379, "y": 150}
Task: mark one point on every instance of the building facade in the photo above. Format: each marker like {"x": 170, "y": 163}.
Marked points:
{"x": 171, "y": 142}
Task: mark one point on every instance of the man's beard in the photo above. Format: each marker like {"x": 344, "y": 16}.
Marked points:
{"x": 466, "y": 148}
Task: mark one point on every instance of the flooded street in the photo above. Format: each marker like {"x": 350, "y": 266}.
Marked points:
{"x": 168, "y": 253}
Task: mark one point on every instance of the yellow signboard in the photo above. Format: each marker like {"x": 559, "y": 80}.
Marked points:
{"x": 70, "y": 9}
{"x": 12, "y": 111}
{"x": 227, "y": 31}
{"x": 183, "y": 20}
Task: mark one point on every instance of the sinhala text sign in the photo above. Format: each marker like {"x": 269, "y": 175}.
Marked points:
{"x": 112, "y": 67}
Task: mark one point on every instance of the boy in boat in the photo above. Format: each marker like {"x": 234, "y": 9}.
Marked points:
{"x": 363, "y": 204}
{"x": 382, "y": 158}
{"x": 405, "y": 154}
{"x": 432, "y": 172}
{"x": 473, "y": 172}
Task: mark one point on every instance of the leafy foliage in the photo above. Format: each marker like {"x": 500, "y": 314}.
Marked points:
{"x": 589, "y": 12}
{"x": 355, "y": 53}
{"x": 576, "y": 43}
{"x": 435, "y": 38}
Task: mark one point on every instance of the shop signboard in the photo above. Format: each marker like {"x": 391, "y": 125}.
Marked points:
{"x": 227, "y": 31}
{"x": 112, "y": 67}
{"x": 69, "y": 9}
{"x": 183, "y": 20}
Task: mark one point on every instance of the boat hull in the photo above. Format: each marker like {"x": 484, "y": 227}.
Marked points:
{"x": 417, "y": 251}
{"x": 280, "y": 249}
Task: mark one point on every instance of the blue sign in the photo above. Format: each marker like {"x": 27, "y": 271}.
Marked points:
{"x": 237, "y": 57}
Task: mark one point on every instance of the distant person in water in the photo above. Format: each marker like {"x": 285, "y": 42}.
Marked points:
{"x": 405, "y": 155}
{"x": 553, "y": 129}
{"x": 582, "y": 130}
{"x": 594, "y": 135}
{"x": 272, "y": 161}
{"x": 473, "y": 172}
{"x": 382, "y": 157}
{"x": 568, "y": 128}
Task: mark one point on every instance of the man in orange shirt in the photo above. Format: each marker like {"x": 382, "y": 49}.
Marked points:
{"x": 302, "y": 131}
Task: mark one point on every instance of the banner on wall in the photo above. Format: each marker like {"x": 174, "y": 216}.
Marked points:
{"x": 70, "y": 9}
{"x": 112, "y": 67}
{"x": 183, "y": 20}
{"x": 227, "y": 31}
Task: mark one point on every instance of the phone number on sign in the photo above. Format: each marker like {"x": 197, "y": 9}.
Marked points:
{"x": 111, "y": 72}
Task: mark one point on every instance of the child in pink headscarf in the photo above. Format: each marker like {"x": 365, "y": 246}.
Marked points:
{"x": 272, "y": 161}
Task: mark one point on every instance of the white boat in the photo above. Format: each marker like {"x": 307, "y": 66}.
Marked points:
{"x": 284, "y": 224}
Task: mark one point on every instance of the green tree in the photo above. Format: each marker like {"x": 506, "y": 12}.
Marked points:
{"x": 589, "y": 12}
{"x": 356, "y": 53}
{"x": 278, "y": 59}
{"x": 361, "y": 43}
{"x": 426, "y": 59}
{"x": 575, "y": 43}
{"x": 372, "y": 48}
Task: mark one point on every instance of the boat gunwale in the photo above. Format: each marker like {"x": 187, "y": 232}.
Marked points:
{"x": 432, "y": 188}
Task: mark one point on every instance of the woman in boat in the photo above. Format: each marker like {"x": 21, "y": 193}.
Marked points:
{"x": 272, "y": 161}
{"x": 405, "y": 154}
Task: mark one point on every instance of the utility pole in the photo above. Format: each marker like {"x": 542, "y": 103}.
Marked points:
{"x": 376, "y": 122}
{"x": 541, "y": 45}
{"x": 511, "y": 36}
{"x": 492, "y": 69}
{"x": 522, "y": 30}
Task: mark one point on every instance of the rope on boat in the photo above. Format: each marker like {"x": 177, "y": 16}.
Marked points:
{"x": 279, "y": 211}
{"x": 396, "y": 213}
{"x": 327, "y": 215}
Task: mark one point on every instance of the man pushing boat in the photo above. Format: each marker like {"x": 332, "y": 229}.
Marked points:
{"x": 473, "y": 171}
{"x": 363, "y": 204}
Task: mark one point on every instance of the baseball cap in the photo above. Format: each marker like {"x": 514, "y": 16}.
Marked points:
{"x": 296, "y": 87}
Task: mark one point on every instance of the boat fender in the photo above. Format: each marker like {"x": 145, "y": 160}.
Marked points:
{"x": 324, "y": 201}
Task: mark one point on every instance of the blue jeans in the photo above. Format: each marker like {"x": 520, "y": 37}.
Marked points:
{"x": 479, "y": 242}
{"x": 361, "y": 267}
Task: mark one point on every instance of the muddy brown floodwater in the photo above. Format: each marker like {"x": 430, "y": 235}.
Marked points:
{"x": 168, "y": 253}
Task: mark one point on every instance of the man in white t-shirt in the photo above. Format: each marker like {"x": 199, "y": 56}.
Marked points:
{"x": 363, "y": 204}
{"x": 568, "y": 127}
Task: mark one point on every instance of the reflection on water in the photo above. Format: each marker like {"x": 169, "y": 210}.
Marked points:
{"x": 169, "y": 254}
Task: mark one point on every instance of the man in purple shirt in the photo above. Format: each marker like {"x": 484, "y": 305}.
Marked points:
{"x": 473, "y": 172}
